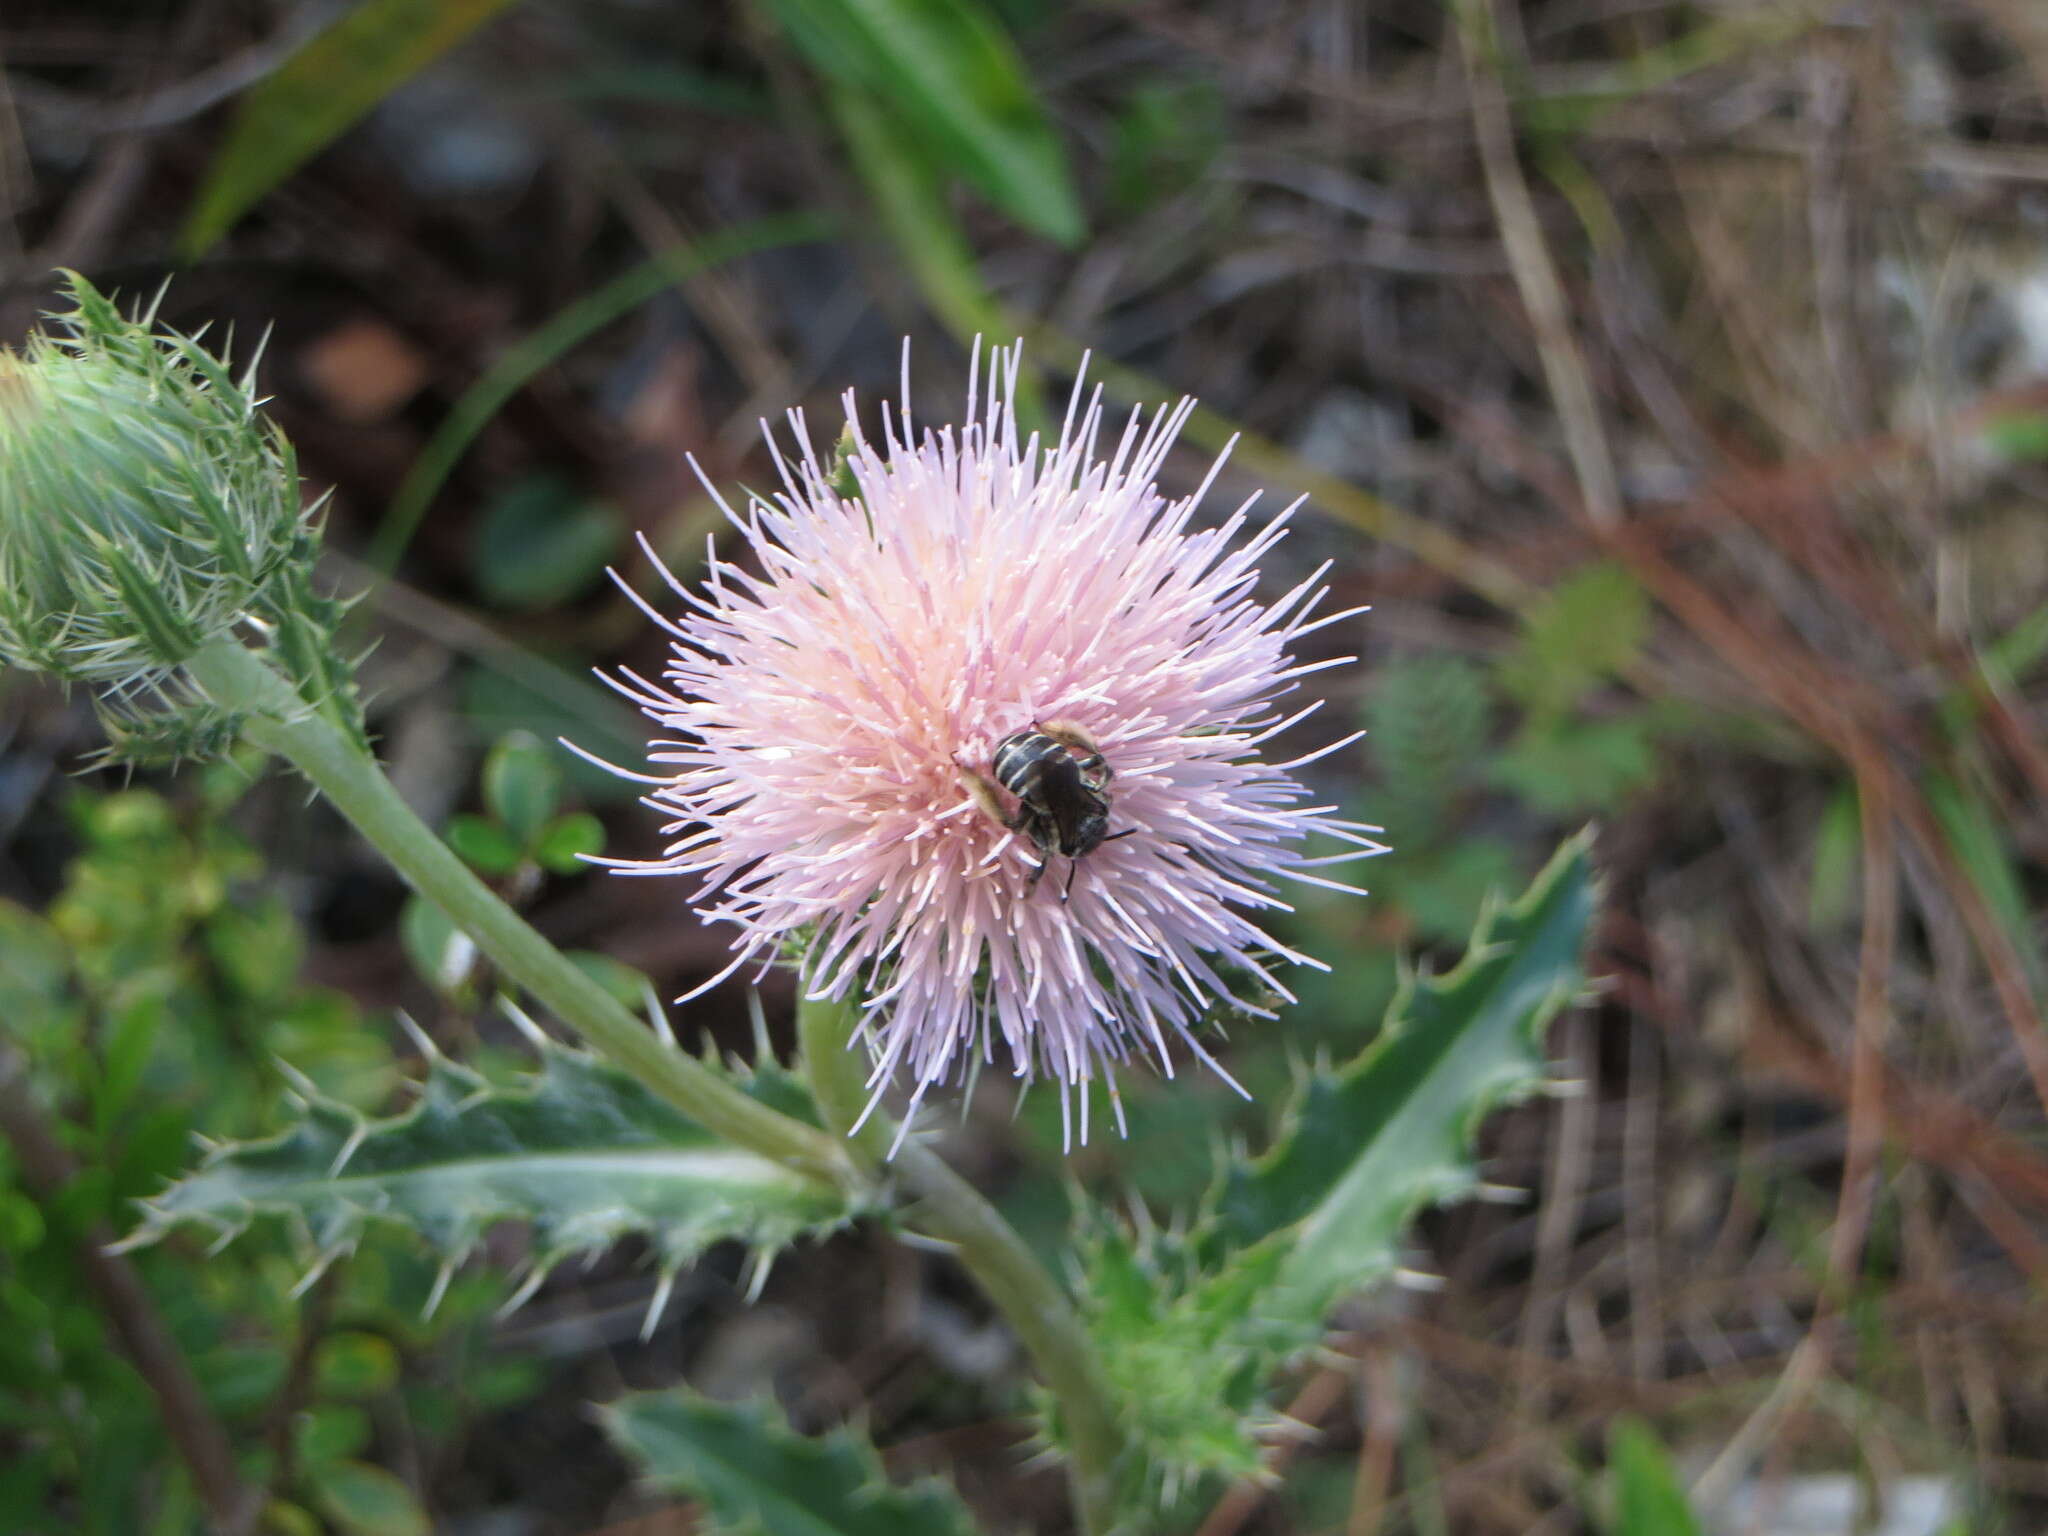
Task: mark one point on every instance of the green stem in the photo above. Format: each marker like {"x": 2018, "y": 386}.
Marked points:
{"x": 1034, "y": 1304}
{"x": 1039, "y": 1312}
{"x": 824, "y": 1037}
{"x": 279, "y": 721}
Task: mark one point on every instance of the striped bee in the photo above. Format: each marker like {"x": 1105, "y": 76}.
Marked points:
{"x": 1061, "y": 783}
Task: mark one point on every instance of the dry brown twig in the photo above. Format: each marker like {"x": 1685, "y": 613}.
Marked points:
{"x": 1564, "y": 369}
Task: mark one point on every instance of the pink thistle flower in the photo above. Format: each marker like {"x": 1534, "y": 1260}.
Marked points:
{"x": 838, "y": 714}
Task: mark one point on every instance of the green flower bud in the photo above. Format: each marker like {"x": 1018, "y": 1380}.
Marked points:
{"x": 145, "y": 507}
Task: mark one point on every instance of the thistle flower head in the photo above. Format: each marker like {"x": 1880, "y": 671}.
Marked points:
{"x": 145, "y": 506}
{"x": 838, "y": 770}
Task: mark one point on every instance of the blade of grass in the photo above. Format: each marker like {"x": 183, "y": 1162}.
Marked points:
{"x": 316, "y": 95}
{"x": 575, "y": 323}
{"x": 912, "y": 204}
{"x": 1973, "y": 838}
{"x": 1521, "y": 232}
{"x": 951, "y": 75}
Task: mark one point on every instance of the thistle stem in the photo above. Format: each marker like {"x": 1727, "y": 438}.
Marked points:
{"x": 278, "y": 720}
{"x": 1029, "y": 1298}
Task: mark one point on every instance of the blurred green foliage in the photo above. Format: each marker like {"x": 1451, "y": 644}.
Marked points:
{"x": 1191, "y": 1320}
{"x": 151, "y": 1000}
{"x": 753, "y": 1474}
{"x": 300, "y": 108}
{"x": 947, "y": 72}
{"x": 1169, "y": 134}
{"x": 1468, "y": 755}
{"x": 1648, "y": 1498}
{"x": 542, "y": 543}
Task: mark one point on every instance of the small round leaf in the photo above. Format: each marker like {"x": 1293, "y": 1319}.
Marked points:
{"x": 441, "y": 952}
{"x": 367, "y": 1501}
{"x": 567, "y": 840}
{"x": 522, "y": 782}
{"x": 355, "y": 1364}
{"x": 629, "y": 986}
{"x": 484, "y": 844}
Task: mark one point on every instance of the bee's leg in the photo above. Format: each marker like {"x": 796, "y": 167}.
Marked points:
{"x": 1082, "y": 744}
{"x": 991, "y": 806}
{"x": 985, "y": 797}
{"x": 1073, "y": 867}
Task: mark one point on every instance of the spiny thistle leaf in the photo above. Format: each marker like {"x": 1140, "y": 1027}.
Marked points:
{"x": 175, "y": 733}
{"x": 758, "y": 1477}
{"x": 1190, "y": 1325}
{"x": 1372, "y": 1144}
{"x": 580, "y": 1150}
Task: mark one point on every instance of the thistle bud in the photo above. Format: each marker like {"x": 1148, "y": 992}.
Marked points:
{"x": 145, "y": 507}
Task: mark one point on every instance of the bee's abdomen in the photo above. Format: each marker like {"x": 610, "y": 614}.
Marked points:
{"x": 1020, "y": 758}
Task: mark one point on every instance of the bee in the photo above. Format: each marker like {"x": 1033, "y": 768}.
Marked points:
{"x": 1061, "y": 783}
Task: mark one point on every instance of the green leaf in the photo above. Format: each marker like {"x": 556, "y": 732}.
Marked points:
{"x": 542, "y": 544}
{"x": 1974, "y": 837}
{"x": 522, "y": 783}
{"x": 1570, "y": 767}
{"x": 1428, "y": 723}
{"x": 21, "y": 1223}
{"x": 2001, "y": 665}
{"x": 2021, "y": 435}
{"x": 1648, "y": 1498}
{"x": 483, "y": 844}
{"x": 2016, "y": 652}
{"x": 580, "y": 1151}
{"x": 332, "y": 1432}
{"x": 563, "y": 845}
{"x": 304, "y": 105}
{"x": 366, "y": 1501}
{"x": 1590, "y": 628}
{"x": 131, "y": 1036}
{"x": 35, "y": 963}
{"x": 354, "y": 1364}
{"x": 505, "y": 1381}
{"x": 1168, "y": 135}
{"x": 239, "y": 1377}
{"x": 629, "y": 987}
{"x": 1191, "y": 1323}
{"x": 257, "y": 945}
{"x": 285, "y": 1519}
{"x": 441, "y": 952}
{"x": 754, "y": 1474}
{"x": 323, "y": 1034}
{"x": 497, "y": 699}
{"x": 1443, "y": 888}
{"x": 895, "y": 168}
{"x": 948, "y": 71}
{"x": 1372, "y": 1144}
{"x": 1831, "y": 888}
